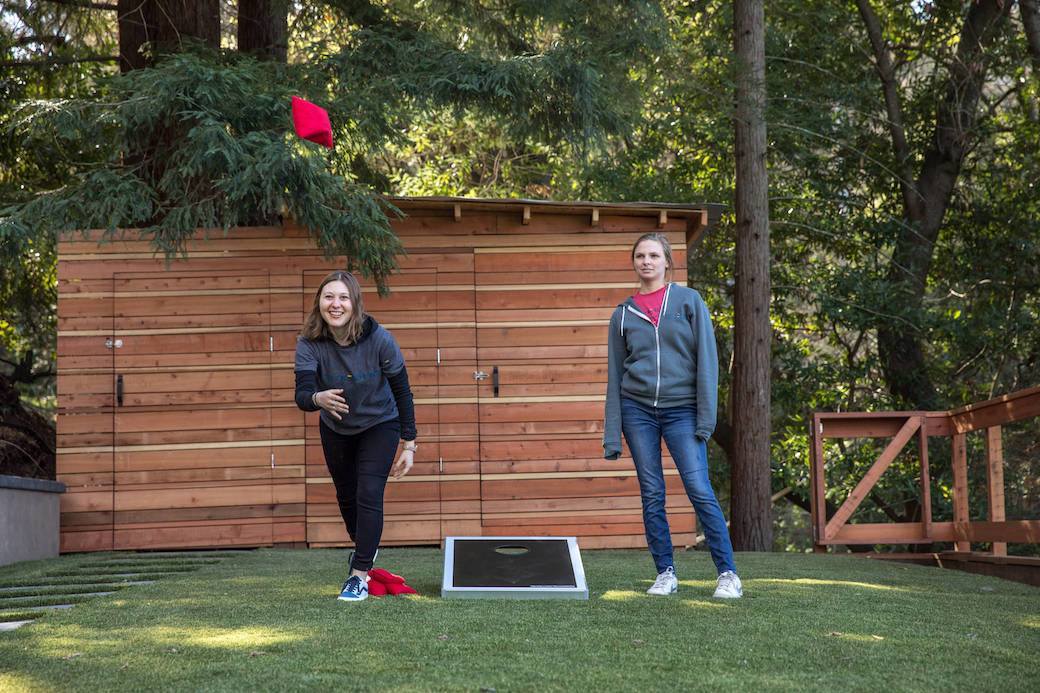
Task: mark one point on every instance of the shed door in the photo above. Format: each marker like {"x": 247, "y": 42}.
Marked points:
{"x": 412, "y": 505}
{"x": 542, "y": 317}
{"x": 193, "y": 454}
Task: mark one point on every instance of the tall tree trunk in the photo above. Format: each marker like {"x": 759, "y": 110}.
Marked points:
{"x": 165, "y": 25}
{"x": 751, "y": 509}
{"x": 1030, "y": 10}
{"x": 900, "y": 345}
{"x": 263, "y": 28}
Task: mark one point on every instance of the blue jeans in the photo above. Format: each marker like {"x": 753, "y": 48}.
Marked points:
{"x": 643, "y": 428}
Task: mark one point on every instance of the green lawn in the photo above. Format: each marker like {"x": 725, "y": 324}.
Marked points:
{"x": 269, "y": 620}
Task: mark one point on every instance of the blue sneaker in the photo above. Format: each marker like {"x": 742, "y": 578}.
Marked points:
{"x": 354, "y": 590}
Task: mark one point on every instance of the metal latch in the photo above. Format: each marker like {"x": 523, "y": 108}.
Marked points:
{"x": 479, "y": 375}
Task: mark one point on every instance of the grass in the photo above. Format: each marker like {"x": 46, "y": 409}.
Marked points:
{"x": 268, "y": 620}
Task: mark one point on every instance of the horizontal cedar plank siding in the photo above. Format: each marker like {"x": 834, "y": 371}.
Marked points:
{"x": 186, "y": 460}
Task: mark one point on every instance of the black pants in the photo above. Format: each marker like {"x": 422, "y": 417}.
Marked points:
{"x": 359, "y": 465}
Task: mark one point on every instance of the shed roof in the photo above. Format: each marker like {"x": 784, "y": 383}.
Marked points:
{"x": 700, "y": 218}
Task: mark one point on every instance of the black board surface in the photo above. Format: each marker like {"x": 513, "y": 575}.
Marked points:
{"x": 513, "y": 563}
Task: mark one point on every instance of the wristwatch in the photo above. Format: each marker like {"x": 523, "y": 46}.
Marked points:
{"x": 413, "y": 448}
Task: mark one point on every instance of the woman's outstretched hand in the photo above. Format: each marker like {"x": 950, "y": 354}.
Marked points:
{"x": 332, "y": 401}
{"x": 403, "y": 464}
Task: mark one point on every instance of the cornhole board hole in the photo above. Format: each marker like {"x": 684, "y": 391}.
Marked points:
{"x": 513, "y": 568}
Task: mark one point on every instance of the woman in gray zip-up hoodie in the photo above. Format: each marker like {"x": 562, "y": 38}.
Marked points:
{"x": 662, "y": 383}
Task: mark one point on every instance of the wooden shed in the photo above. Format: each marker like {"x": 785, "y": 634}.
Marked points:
{"x": 176, "y": 421}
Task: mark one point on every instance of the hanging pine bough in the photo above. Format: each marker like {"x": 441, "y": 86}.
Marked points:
{"x": 198, "y": 142}
{"x": 201, "y": 139}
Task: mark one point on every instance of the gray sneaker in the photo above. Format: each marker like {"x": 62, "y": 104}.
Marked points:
{"x": 665, "y": 584}
{"x": 729, "y": 586}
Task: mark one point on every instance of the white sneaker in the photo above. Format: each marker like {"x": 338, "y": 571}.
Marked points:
{"x": 665, "y": 584}
{"x": 729, "y": 586}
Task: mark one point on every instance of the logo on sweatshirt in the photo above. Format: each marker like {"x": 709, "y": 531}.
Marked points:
{"x": 360, "y": 376}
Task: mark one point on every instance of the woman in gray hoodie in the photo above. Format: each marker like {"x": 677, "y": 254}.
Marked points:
{"x": 350, "y": 367}
{"x": 662, "y": 382}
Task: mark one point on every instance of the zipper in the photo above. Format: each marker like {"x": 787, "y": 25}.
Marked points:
{"x": 657, "y": 338}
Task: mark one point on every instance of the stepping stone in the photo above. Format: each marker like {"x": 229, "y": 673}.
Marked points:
{"x": 41, "y": 608}
{"x": 112, "y": 575}
{"x": 59, "y": 594}
{"x": 12, "y": 602}
{"x": 11, "y": 625}
{"x": 64, "y": 585}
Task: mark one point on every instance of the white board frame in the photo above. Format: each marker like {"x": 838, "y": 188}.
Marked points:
{"x": 580, "y": 590}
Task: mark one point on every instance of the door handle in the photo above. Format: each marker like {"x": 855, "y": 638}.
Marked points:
{"x": 494, "y": 381}
{"x": 119, "y": 390}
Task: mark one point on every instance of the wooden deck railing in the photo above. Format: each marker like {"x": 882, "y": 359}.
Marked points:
{"x": 904, "y": 427}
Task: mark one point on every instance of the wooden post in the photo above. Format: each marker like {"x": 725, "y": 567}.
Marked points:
{"x": 817, "y": 499}
{"x": 595, "y": 217}
{"x": 526, "y": 219}
{"x": 960, "y": 489}
{"x": 926, "y": 483}
{"x": 457, "y": 212}
{"x": 995, "y": 481}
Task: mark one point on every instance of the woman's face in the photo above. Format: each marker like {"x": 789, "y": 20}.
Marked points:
{"x": 335, "y": 305}
{"x": 649, "y": 262}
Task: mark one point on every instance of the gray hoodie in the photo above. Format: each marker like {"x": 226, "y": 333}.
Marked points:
{"x": 672, "y": 364}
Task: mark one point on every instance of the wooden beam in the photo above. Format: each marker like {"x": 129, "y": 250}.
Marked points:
{"x": 595, "y": 217}
{"x": 457, "y": 212}
{"x": 960, "y": 486}
{"x": 817, "y": 498}
{"x": 892, "y": 533}
{"x": 696, "y": 225}
{"x": 926, "y": 482}
{"x": 1023, "y": 404}
{"x": 1021, "y": 531}
{"x": 527, "y": 216}
{"x": 880, "y": 424}
{"x": 662, "y": 218}
{"x": 883, "y": 462}
{"x": 995, "y": 481}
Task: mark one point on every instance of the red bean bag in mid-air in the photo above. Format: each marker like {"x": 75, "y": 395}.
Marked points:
{"x": 311, "y": 122}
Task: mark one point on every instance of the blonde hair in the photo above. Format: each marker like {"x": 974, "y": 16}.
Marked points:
{"x": 666, "y": 248}
{"x": 315, "y": 327}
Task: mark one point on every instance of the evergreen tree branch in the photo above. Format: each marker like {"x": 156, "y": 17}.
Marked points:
{"x": 60, "y": 61}
{"x": 890, "y": 89}
{"x": 85, "y": 4}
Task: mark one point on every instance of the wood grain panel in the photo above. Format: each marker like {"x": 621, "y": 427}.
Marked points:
{"x": 186, "y": 459}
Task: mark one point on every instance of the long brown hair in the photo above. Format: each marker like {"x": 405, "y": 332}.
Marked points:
{"x": 315, "y": 327}
{"x": 666, "y": 248}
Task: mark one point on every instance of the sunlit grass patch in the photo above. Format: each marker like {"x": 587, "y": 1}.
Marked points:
{"x": 621, "y": 595}
{"x": 815, "y": 582}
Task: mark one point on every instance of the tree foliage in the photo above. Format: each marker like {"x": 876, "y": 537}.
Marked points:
{"x": 191, "y": 136}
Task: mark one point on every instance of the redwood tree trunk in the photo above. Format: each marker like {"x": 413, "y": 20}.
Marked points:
{"x": 165, "y": 25}
{"x": 1030, "y": 10}
{"x": 751, "y": 511}
{"x": 263, "y": 28}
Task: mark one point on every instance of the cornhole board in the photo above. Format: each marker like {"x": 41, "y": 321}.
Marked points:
{"x": 513, "y": 568}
